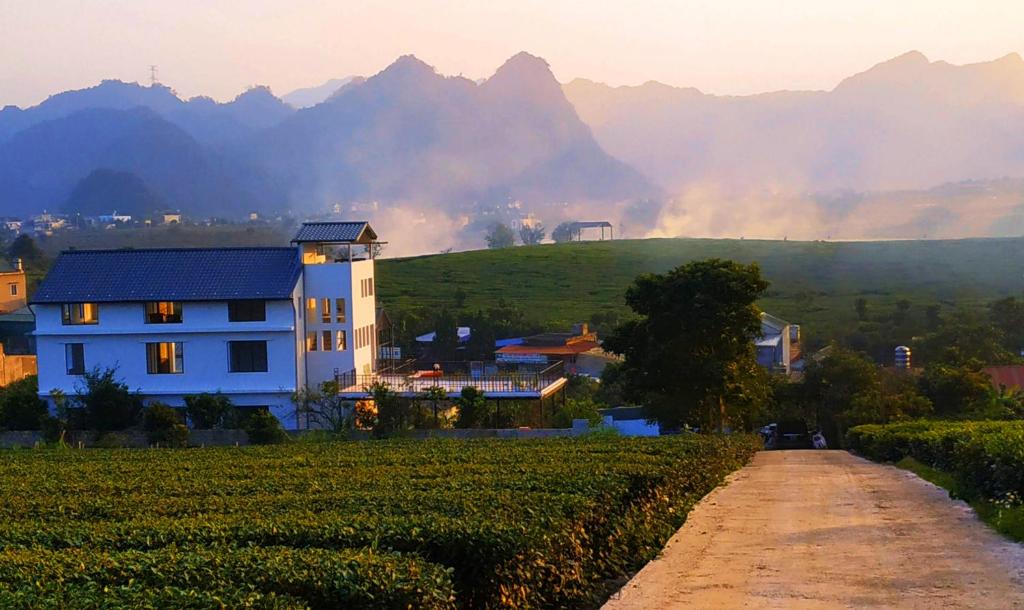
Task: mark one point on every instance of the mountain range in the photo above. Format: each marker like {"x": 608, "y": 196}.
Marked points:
{"x": 653, "y": 158}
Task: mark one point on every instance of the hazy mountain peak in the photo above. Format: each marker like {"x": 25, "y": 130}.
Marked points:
{"x": 259, "y": 92}
{"x": 311, "y": 96}
{"x": 409, "y": 65}
{"x": 525, "y": 76}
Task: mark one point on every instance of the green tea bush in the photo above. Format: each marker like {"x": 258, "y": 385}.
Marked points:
{"x": 986, "y": 458}
{"x": 379, "y": 524}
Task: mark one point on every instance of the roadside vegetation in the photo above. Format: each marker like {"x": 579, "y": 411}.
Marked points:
{"x": 980, "y": 462}
{"x": 389, "y": 524}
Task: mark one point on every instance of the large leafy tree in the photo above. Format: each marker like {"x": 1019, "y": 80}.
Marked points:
{"x": 689, "y": 354}
{"x": 500, "y": 236}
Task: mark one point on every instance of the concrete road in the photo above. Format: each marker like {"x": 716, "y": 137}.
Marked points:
{"x": 825, "y": 529}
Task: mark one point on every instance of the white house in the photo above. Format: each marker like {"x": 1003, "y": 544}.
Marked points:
{"x": 774, "y": 345}
{"x": 253, "y": 323}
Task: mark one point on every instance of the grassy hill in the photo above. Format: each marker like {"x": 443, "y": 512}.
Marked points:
{"x": 812, "y": 283}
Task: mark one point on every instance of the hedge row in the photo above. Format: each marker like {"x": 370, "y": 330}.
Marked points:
{"x": 488, "y": 523}
{"x": 312, "y": 578}
{"x": 986, "y": 458}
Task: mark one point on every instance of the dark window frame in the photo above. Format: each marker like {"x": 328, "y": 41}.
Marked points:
{"x": 247, "y": 310}
{"x": 75, "y": 365}
{"x": 68, "y": 320}
{"x": 242, "y": 358}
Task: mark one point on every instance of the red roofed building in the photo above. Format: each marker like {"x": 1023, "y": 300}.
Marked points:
{"x": 575, "y": 349}
{"x": 1007, "y": 376}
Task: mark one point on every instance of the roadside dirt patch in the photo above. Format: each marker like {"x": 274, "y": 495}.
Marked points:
{"x": 826, "y": 529}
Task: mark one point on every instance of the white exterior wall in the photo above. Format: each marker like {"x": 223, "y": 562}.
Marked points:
{"x": 119, "y": 339}
{"x": 333, "y": 281}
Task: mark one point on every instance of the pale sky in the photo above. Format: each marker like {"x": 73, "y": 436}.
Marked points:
{"x": 219, "y": 48}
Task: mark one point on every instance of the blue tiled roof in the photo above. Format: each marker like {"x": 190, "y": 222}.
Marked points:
{"x": 187, "y": 274}
{"x": 333, "y": 231}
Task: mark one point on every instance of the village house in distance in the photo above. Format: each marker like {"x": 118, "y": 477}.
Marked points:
{"x": 255, "y": 324}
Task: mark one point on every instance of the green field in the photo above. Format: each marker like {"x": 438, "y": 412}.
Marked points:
{"x": 812, "y": 283}
{"x": 382, "y": 524}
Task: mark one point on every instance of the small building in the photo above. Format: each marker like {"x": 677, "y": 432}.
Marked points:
{"x": 170, "y": 217}
{"x": 629, "y": 421}
{"x": 567, "y": 348}
{"x": 1009, "y": 377}
{"x": 12, "y": 288}
{"x": 114, "y": 218}
{"x": 576, "y": 229}
{"x": 774, "y": 345}
{"x": 256, "y": 324}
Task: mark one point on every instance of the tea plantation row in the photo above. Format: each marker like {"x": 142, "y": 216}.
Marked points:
{"x": 395, "y": 524}
{"x": 986, "y": 458}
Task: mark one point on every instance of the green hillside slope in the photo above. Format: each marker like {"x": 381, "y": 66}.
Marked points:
{"x": 812, "y": 283}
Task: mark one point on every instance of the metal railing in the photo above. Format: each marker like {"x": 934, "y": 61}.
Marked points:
{"x": 488, "y": 377}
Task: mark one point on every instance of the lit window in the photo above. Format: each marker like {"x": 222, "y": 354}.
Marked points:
{"x": 325, "y": 312}
{"x": 74, "y": 357}
{"x": 165, "y": 358}
{"x": 342, "y": 340}
{"x": 311, "y": 342}
{"x": 310, "y": 310}
{"x": 339, "y": 310}
{"x": 163, "y": 312}
{"x": 248, "y": 356}
{"x": 247, "y": 311}
{"x": 80, "y": 313}
{"x": 327, "y": 344}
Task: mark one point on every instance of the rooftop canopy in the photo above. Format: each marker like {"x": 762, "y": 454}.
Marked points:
{"x": 349, "y": 232}
{"x": 186, "y": 274}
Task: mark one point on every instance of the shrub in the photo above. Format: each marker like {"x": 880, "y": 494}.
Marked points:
{"x": 106, "y": 403}
{"x": 164, "y": 426}
{"x": 576, "y": 408}
{"x": 474, "y": 410}
{"x": 263, "y": 428}
{"x": 20, "y": 405}
{"x": 986, "y": 458}
{"x": 206, "y": 411}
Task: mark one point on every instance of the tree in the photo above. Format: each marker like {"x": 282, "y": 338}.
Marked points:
{"x": 474, "y": 410}
{"x": 20, "y": 405}
{"x": 960, "y": 389}
{"x": 861, "y": 307}
{"x": 106, "y": 403}
{"x": 263, "y": 428}
{"x": 325, "y": 407}
{"x": 446, "y": 336}
{"x": 25, "y": 248}
{"x": 206, "y": 411}
{"x": 435, "y": 396}
{"x": 531, "y": 236}
{"x": 164, "y": 425}
{"x": 391, "y": 411}
{"x": 1008, "y": 316}
{"x": 500, "y": 236}
{"x": 562, "y": 233}
{"x": 964, "y": 339}
{"x": 686, "y": 352}
{"x": 835, "y": 385}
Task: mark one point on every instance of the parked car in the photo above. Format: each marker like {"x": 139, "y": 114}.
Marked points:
{"x": 792, "y": 434}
